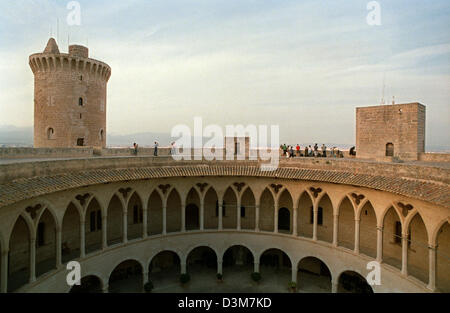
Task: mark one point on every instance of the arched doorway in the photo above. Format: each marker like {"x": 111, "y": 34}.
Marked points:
{"x": 390, "y": 149}
{"x": 284, "y": 220}
{"x": 115, "y": 221}
{"x": 135, "y": 217}
{"x": 45, "y": 244}
{"x": 352, "y": 282}
{"x": 155, "y": 214}
{"x": 229, "y": 208}
{"x": 313, "y": 275}
{"x": 237, "y": 257}
{"x": 88, "y": 284}
{"x": 19, "y": 255}
{"x": 346, "y": 233}
{"x": 126, "y": 277}
{"x": 164, "y": 271}
{"x": 70, "y": 237}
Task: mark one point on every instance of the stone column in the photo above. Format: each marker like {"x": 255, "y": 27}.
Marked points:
{"x": 275, "y": 217}
{"x": 183, "y": 215}
{"x": 58, "y": 247}
{"x": 144, "y": 221}
{"x": 379, "y": 244}
{"x": 104, "y": 231}
{"x": 32, "y": 260}
{"x": 105, "y": 288}
{"x": 335, "y": 229}
{"x": 219, "y": 267}
{"x": 238, "y": 214}
{"x": 220, "y": 214}
{"x": 82, "y": 239}
{"x": 405, "y": 254}
{"x": 164, "y": 231}
{"x": 256, "y": 267}
{"x": 125, "y": 227}
{"x": 183, "y": 267}
{"x": 144, "y": 277}
{"x": 202, "y": 214}
{"x": 294, "y": 221}
{"x": 293, "y": 274}
{"x": 257, "y": 217}
{"x": 315, "y": 214}
{"x": 432, "y": 268}
{"x": 334, "y": 286}
{"x": 4, "y": 272}
{"x": 357, "y": 236}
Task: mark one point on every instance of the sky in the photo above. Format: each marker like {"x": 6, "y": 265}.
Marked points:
{"x": 302, "y": 65}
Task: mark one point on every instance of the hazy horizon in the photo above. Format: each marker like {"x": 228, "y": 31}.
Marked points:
{"x": 302, "y": 65}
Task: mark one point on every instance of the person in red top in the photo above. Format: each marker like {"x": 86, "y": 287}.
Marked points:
{"x": 298, "y": 150}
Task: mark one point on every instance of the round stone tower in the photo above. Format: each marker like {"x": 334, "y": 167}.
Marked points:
{"x": 69, "y": 98}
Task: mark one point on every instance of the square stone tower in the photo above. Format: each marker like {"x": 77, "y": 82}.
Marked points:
{"x": 386, "y": 131}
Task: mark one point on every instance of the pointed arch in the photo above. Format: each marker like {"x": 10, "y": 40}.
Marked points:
{"x": 304, "y": 225}
{"x": 93, "y": 226}
{"x": 248, "y": 203}
{"x": 192, "y": 210}
{"x": 19, "y": 254}
{"x": 211, "y": 218}
{"x": 229, "y": 218}
{"x": 135, "y": 216}
{"x": 285, "y": 212}
{"x": 70, "y": 236}
{"x": 346, "y": 224}
{"x": 392, "y": 237}
{"x": 325, "y": 218}
{"x": 266, "y": 210}
{"x": 45, "y": 243}
{"x": 443, "y": 257}
{"x": 368, "y": 230}
{"x": 173, "y": 211}
{"x": 418, "y": 248}
{"x": 155, "y": 213}
{"x": 114, "y": 224}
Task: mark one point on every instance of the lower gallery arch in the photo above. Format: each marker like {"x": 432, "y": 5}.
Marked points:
{"x": 126, "y": 277}
{"x": 114, "y": 221}
{"x": 19, "y": 255}
{"x": 45, "y": 244}
{"x": 275, "y": 269}
{"x": 368, "y": 231}
{"x": 353, "y": 282}
{"x": 238, "y": 263}
{"x": 211, "y": 219}
{"x": 70, "y": 237}
{"x": 93, "y": 226}
{"x": 201, "y": 262}
{"x": 248, "y": 209}
{"x": 392, "y": 238}
{"x": 443, "y": 259}
{"x": 173, "y": 212}
{"x": 305, "y": 226}
{"x": 418, "y": 249}
{"x": 267, "y": 207}
{"x": 155, "y": 214}
{"x": 346, "y": 232}
{"x": 88, "y": 284}
{"x": 134, "y": 217}
{"x": 313, "y": 275}
{"x": 325, "y": 219}
{"x": 164, "y": 271}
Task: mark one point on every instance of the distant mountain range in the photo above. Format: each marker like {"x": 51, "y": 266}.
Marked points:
{"x": 13, "y": 136}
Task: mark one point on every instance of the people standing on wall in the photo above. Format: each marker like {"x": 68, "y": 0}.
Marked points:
{"x": 310, "y": 151}
{"x": 324, "y": 151}
{"x": 135, "y": 147}
{"x": 292, "y": 151}
{"x": 297, "y": 148}
{"x": 155, "y": 151}
{"x": 306, "y": 151}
